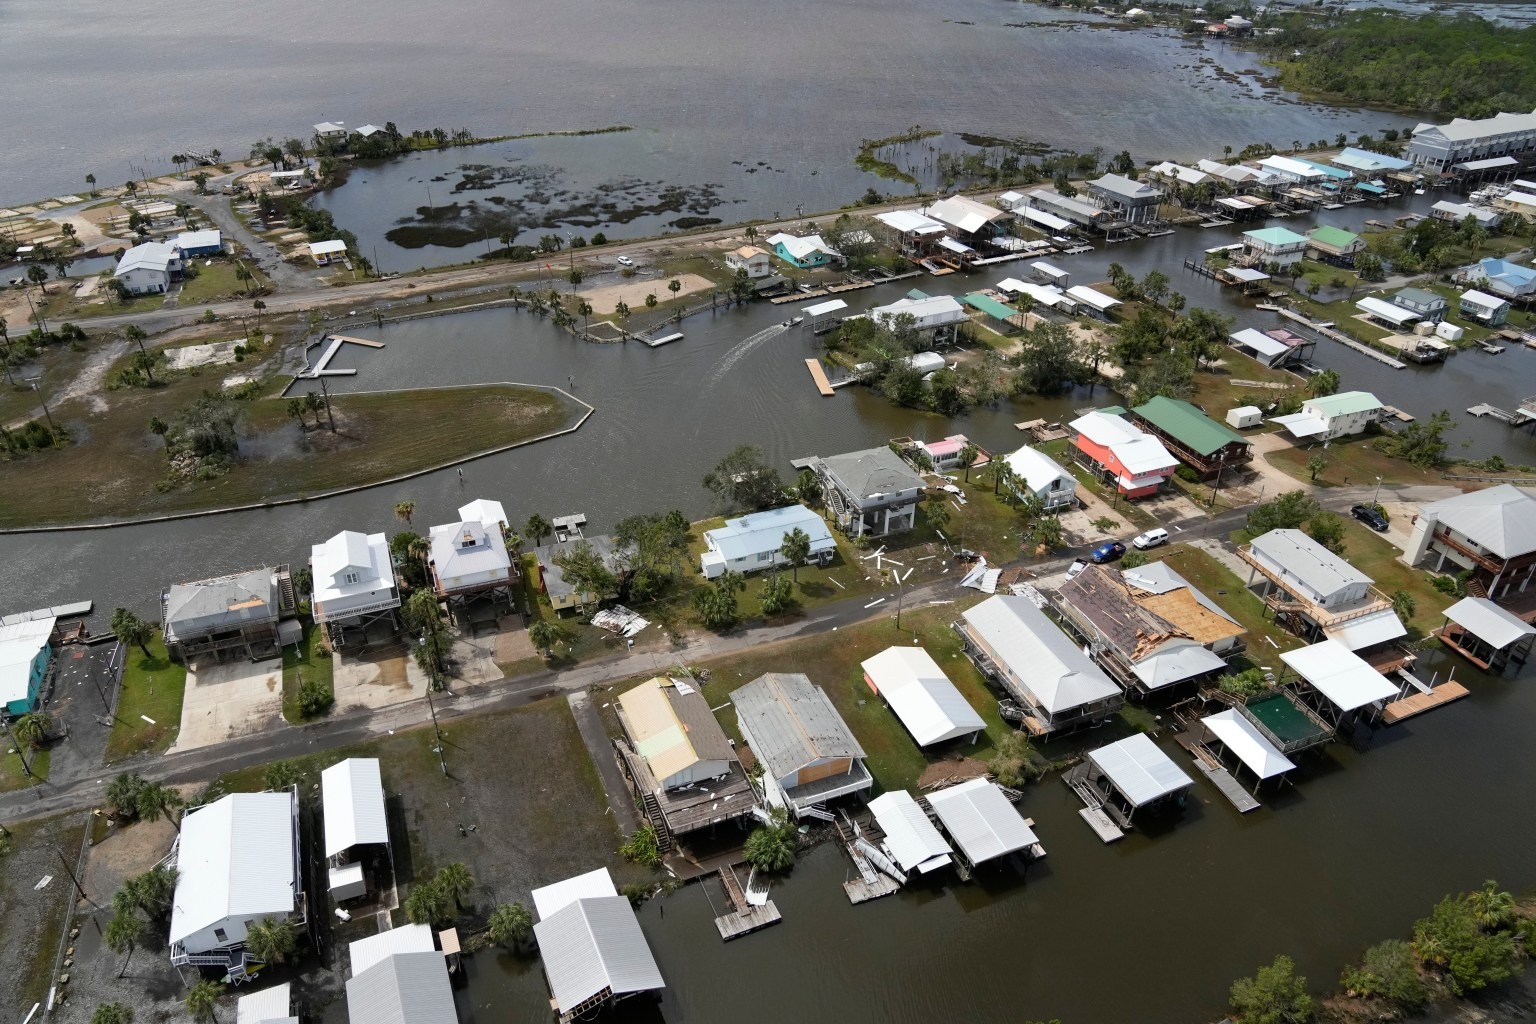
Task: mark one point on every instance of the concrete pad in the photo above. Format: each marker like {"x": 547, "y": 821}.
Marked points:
{"x": 376, "y": 680}
{"x": 474, "y": 661}
{"x": 1170, "y": 506}
{"x": 512, "y": 643}
{"x": 227, "y": 700}
{"x": 188, "y": 356}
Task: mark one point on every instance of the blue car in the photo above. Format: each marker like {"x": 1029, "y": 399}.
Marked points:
{"x": 1109, "y": 551}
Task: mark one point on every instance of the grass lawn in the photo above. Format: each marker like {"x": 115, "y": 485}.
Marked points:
{"x": 152, "y": 688}
{"x": 586, "y": 640}
{"x": 13, "y": 776}
{"x": 1379, "y": 559}
{"x": 1351, "y": 463}
{"x": 63, "y": 306}
{"x": 309, "y": 662}
{"x": 218, "y": 282}
{"x": 1222, "y": 586}
{"x": 113, "y": 471}
{"x": 1215, "y": 393}
{"x": 833, "y": 661}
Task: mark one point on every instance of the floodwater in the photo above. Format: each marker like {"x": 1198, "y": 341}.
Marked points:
{"x": 796, "y": 83}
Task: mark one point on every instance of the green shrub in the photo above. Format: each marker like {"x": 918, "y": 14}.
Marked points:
{"x": 315, "y": 698}
{"x": 1274, "y": 995}
{"x": 642, "y": 847}
{"x": 1388, "y": 971}
{"x": 1187, "y": 474}
{"x": 1452, "y": 940}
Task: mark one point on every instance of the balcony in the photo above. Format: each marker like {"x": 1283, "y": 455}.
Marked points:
{"x": 1482, "y": 560}
{"x": 1283, "y": 600}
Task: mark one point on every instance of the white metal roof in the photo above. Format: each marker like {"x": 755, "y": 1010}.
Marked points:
{"x": 909, "y": 221}
{"x": 1307, "y": 561}
{"x": 466, "y": 549}
{"x": 549, "y": 899}
{"x": 934, "y": 311}
{"x": 595, "y": 944}
{"x": 328, "y": 247}
{"x": 1043, "y": 294}
{"x": 1483, "y": 299}
{"x": 1045, "y": 220}
{"x": 1394, "y": 314}
{"x": 1247, "y": 275}
{"x": 1175, "y": 663}
{"x": 1251, "y": 747}
{"x": 963, "y": 213}
{"x": 271, "y": 1005}
{"x": 1488, "y": 622}
{"x": 1098, "y": 300}
{"x": 1142, "y": 455}
{"x": 1125, "y": 188}
{"x": 765, "y": 531}
{"x": 349, "y": 551}
{"x": 1464, "y": 129}
{"x": 408, "y": 988}
{"x": 1105, "y": 428}
{"x": 352, "y": 795}
{"x": 405, "y": 938}
{"x": 1049, "y": 270}
{"x": 485, "y": 510}
{"x": 822, "y": 308}
{"x": 1367, "y": 630}
{"x": 921, "y": 695}
{"x": 1501, "y": 519}
{"x": 147, "y": 256}
{"x": 799, "y": 248}
{"x": 235, "y": 858}
{"x": 981, "y": 821}
{"x": 1286, "y": 165}
{"x": 1042, "y": 658}
{"x": 1139, "y": 769}
{"x": 1343, "y": 403}
{"x": 345, "y": 876}
{"x": 1302, "y": 424}
{"x": 198, "y": 239}
{"x": 1339, "y": 674}
{"x": 1260, "y": 342}
{"x": 1037, "y": 469}
{"x": 909, "y": 835}
{"x": 19, "y": 644}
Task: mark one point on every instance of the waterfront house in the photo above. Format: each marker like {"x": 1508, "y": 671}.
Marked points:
{"x": 1054, "y": 685}
{"x": 1132, "y": 201}
{"x": 1279, "y": 246}
{"x": 237, "y": 863}
{"x": 208, "y": 242}
{"x": 1440, "y": 147}
{"x": 1132, "y": 775}
{"x": 921, "y": 695}
{"x": 149, "y": 268}
{"x": 809, "y": 756}
{"x": 1387, "y": 314}
{"x": 236, "y": 614}
{"x": 1194, "y": 438}
{"x": 591, "y": 945}
{"x": 964, "y": 216}
{"x": 331, "y": 131}
{"x": 332, "y": 250}
{"x": 1503, "y": 278}
{"x": 562, "y": 593}
{"x": 469, "y": 559}
{"x": 1239, "y": 176}
{"x": 1337, "y": 683}
{"x": 1486, "y": 309}
{"x": 1159, "y": 587}
{"x": 1141, "y": 650}
{"x": 1489, "y": 533}
{"x": 983, "y": 824}
{"x": 870, "y": 492}
{"x": 918, "y": 234}
{"x": 752, "y": 542}
{"x": 364, "y": 953}
{"x": 805, "y": 253}
{"x": 1074, "y": 211}
{"x": 271, "y": 1005}
{"x": 356, "y": 831}
{"x": 1044, "y": 296}
{"x": 25, "y": 654}
{"x": 1289, "y": 169}
{"x": 1036, "y": 475}
{"x": 1363, "y": 161}
{"x": 672, "y": 747}
{"x": 1275, "y": 347}
{"x": 1333, "y": 416}
{"x": 1334, "y": 245}
{"x": 1093, "y": 300}
{"x": 938, "y": 316}
{"x": 1427, "y": 304}
{"x": 1316, "y": 594}
{"x": 1521, "y": 204}
{"x": 1488, "y": 636}
{"x": 402, "y": 988}
{"x": 1115, "y": 449}
{"x": 355, "y": 590}
{"x": 751, "y": 259}
{"x": 1179, "y": 175}
{"x": 1482, "y": 216}
{"x": 911, "y": 841}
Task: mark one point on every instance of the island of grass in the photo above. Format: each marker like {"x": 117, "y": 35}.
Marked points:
{"x": 117, "y": 466}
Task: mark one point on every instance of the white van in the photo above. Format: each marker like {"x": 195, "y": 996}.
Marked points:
{"x": 1151, "y": 539}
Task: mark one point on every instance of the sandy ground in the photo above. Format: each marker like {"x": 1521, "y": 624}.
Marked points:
{"x": 124, "y": 853}
{"x": 227, "y": 700}
{"x": 634, "y": 291}
{"x": 202, "y": 355}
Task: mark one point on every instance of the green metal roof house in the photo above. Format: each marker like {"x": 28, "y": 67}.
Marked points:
{"x": 1335, "y": 245}
{"x": 1195, "y": 439}
{"x": 1427, "y": 304}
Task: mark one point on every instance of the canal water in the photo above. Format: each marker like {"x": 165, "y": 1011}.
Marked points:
{"x": 795, "y": 84}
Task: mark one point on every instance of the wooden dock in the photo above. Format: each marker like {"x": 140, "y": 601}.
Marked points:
{"x": 358, "y": 341}
{"x": 665, "y": 339}
{"x": 861, "y": 891}
{"x": 747, "y": 918}
{"x": 1514, "y": 419}
{"x": 1419, "y": 703}
{"x": 1236, "y": 795}
{"x": 820, "y": 377}
{"x": 1342, "y": 339}
{"x": 1101, "y": 824}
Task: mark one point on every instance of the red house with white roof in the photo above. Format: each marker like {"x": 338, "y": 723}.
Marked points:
{"x": 1113, "y": 447}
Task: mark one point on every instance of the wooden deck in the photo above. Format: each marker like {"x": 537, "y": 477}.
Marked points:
{"x": 1236, "y": 795}
{"x": 820, "y": 377}
{"x": 734, "y": 926}
{"x": 1097, "y": 820}
{"x": 1422, "y": 702}
{"x": 358, "y": 341}
{"x": 861, "y": 891}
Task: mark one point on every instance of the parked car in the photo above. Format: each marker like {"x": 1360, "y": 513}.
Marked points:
{"x": 1075, "y": 568}
{"x": 1370, "y": 517}
{"x": 1109, "y": 551}
{"x": 1151, "y": 539}
{"x": 625, "y": 261}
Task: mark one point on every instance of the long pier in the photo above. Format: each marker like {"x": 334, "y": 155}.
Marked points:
{"x": 1342, "y": 339}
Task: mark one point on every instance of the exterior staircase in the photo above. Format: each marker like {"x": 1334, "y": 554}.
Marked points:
{"x": 817, "y": 811}
{"x": 1475, "y": 588}
{"x": 659, "y": 823}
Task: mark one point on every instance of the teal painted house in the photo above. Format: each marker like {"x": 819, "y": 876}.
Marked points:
{"x": 24, "y": 658}
{"x": 805, "y": 253}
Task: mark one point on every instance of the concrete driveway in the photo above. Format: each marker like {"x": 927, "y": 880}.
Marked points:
{"x": 225, "y": 701}
{"x": 377, "y": 679}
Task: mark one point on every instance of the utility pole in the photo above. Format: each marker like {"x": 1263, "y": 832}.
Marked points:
{"x": 431, "y": 706}
{"x": 71, "y": 873}
{"x": 1220, "y": 466}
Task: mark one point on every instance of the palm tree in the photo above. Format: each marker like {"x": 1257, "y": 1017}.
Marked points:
{"x": 113, "y": 1013}
{"x": 123, "y": 793}
{"x": 38, "y": 275}
{"x": 516, "y": 295}
{"x": 674, "y": 286}
{"x": 751, "y": 233}
{"x": 32, "y": 728}
{"x": 456, "y": 882}
{"x": 122, "y": 934}
{"x": 131, "y": 630}
{"x": 545, "y": 633}
{"x": 203, "y": 1001}
{"x": 537, "y": 528}
{"x": 90, "y": 183}
{"x": 244, "y": 276}
{"x": 575, "y": 276}
{"x": 650, "y": 301}
{"x": 404, "y": 510}
{"x": 772, "y": 847}
{"x": 510, "y": 924}
{"x": 968, "y": 453}
{"x": 159, "y": 801}
{"x": 427, "y": 904}
{"x": 796, "y": 549}
{"x": 1493, "y": 907}
{"x": 272, "y": 941}
{"x": 259, "y": 307}
{"x": 584, "y": 309}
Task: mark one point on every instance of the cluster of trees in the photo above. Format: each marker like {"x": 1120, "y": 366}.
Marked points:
{"x": 439, "y": 899}
{"x": 1297, "y": 510}
{"x": 319, "y": 224}
{"x": 142, "y": 900}
{"x": 1159, "y": 349}
{"x": 1428, "y": 246}
{"x": 1016, "y": 761}
{"x": 1452, "y": 65}
{"x": 134, "y": 798}
{"x": 1421, "y": 443}
{"x": 202, "y": 439}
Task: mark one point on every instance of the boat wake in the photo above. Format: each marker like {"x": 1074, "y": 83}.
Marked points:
{"x": 735, "y": 355}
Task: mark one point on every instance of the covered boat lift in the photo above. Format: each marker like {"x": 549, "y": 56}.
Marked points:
{"x": 1340, "y": 683}
{"x": 1488, "y": 636}
{"x": 1234, "y": 733}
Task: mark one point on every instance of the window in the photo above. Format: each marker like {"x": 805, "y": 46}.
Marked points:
{"x": 349, "y": 578}
{"x": 220, "y": 935}
{"x": 764, "y": 556}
